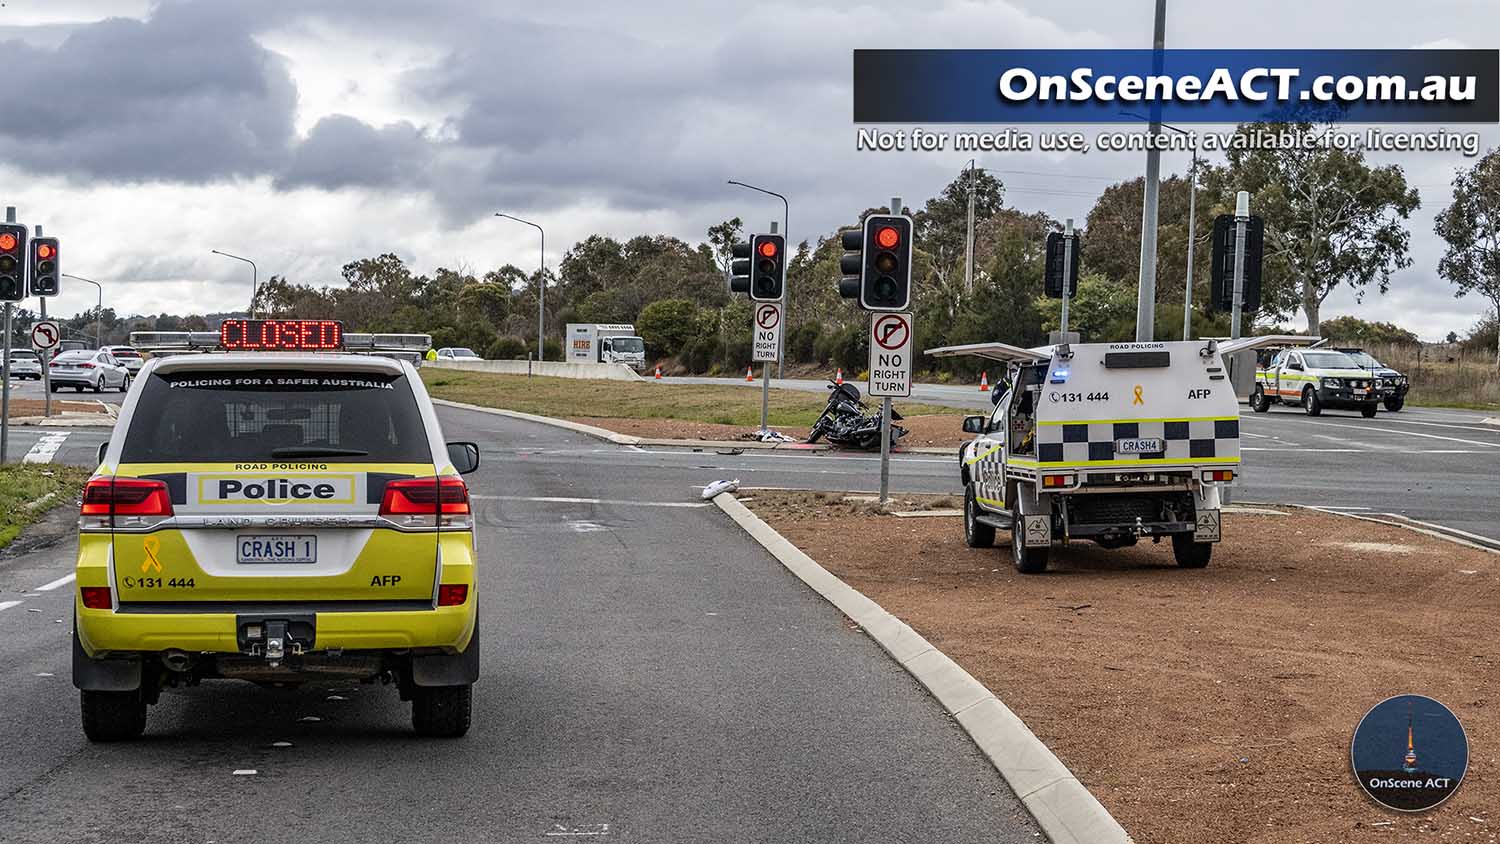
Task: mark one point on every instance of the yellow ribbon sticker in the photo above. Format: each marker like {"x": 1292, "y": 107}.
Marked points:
{"x": 153, "y": 546}
{"x": 1138, "y": 399}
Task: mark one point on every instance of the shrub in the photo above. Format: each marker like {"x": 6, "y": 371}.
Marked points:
{"x": 802, "y": 343}
{"x": 668, "y": 325}
{"x": 508, "y": 347}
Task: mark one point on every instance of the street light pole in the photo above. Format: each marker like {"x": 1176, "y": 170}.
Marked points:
{"x": 786, "y": 210}
{"x": 254, "y": 277}
{"x": 541, "y": 286}
{"x": 1187, "y": 297}
{"x": 1145, "y": 307}
{"x": 969, "y": 237}
{"x": 98, "y": 310}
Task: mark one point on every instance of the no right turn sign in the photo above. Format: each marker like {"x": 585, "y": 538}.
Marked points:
{"x": 890, "y": 355}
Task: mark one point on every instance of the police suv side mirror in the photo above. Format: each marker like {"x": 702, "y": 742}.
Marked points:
{"x": 1295, "y": 366}
{"x": 974, "y": 424}
{"x": 464, "y": 457}
{"x": 103, "y": 448}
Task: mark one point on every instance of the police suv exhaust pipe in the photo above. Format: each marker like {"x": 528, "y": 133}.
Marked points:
{"x": 176, "y": 660}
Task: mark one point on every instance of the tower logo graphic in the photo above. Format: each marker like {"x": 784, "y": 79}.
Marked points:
{"x": 1409, "y": 781}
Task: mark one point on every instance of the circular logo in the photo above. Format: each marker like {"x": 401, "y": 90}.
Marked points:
{"x": 768, "y": 316}
{"x": 1409, "y": 753}
{"x": 891, "y": 331}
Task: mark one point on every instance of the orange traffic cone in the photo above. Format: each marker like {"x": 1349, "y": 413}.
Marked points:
{"x": 984, "y": 382}
{"x": 749, "y": 373}
{"x": 658, "y": 372}
{"x": 838, "y": 378}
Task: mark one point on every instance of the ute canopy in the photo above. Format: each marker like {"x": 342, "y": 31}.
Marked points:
{"x": 1003, "y": 352}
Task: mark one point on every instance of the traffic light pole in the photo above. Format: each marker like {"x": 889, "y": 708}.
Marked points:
{"x": 10, "y": 217}
{"x": 1067, "y": 273}
{"x": 885, "y": 420}
{"x": 46, "y": 364}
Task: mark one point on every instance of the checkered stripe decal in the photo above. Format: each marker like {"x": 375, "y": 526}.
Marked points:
{"x": 1187, "y": 439}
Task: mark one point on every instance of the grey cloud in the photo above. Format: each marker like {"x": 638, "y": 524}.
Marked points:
{"x": 187, "y": 95}
{"x": 341, "y": 152}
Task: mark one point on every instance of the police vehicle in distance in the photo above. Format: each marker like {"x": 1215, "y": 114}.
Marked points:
{"x": 280, "y": 510}
{"x": 1316, "y": 379}
{"x": 1392, "y": 383}
{"x": 1109, "y": 442}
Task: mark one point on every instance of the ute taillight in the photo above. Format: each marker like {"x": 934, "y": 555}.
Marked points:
{"x": 1218, "y": 476}
{"x": 1054, "y": 481}
{"x": 96, "y": 597}
{"x": 419, "y": 502}
{"x": 124, "y": 503}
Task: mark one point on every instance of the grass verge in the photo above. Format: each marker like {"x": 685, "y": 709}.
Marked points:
{"x": 572, "y": 398}
{"x": 22, "y": 485}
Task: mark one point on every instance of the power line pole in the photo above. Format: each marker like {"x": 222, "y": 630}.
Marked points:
{"x": 1145, "y": 310}
{"x": 969, "y": 238}
{"x": 1187, "y": 296}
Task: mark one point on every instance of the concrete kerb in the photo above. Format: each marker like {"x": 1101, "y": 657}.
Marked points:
{"x": 1062, "y": 807}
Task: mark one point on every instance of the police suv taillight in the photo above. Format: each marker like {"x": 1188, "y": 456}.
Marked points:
{"x": 441, "y": 501}
{"x": 125, "y": 503}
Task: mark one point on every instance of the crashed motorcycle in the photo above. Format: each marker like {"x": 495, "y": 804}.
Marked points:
{"x": 848, "y": 423}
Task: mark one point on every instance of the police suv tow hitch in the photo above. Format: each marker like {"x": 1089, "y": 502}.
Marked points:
{"x": 275, "y": 638}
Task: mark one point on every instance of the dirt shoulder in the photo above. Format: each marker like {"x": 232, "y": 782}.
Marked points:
{"x": 1202, "y": 705}
{"x": 34, "y": 407}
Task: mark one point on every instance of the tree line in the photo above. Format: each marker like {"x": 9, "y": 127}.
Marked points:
{"x": 1333, "y": 221}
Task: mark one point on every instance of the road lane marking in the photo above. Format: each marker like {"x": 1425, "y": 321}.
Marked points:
{"x": 5, "y": 605}
{"x": 557, "y": 499}
{"x": 46, "y": 447}
{"x": 61, "y": 581}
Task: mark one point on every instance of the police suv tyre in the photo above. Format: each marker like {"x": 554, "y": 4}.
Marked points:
{"x": 1369, "y": 410}
{"x": 1190, "y": 554}
{"x": 976, "y": 535}
{"x": 441, "y": 711}
{"x": 1395, "y": 403}
{"x": 1258, "y": 401}
{"x": 1310, "y": 402}
{"x": 112, "y": 716}
{"x": 1027, "y": 560}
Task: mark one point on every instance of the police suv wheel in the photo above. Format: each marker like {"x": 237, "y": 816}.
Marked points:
{"x": 1310, "y": 402}
{"x": 1258, "y": 401}
{"x": 1027, "y": 560}
{"x": 1395, "y": 403}
{"x": 976, "y": 535}
{"x": 1190, "y": 554}
{"x": 112, "y": 716}
{"x": 441, "y": 711}
{"x": 1369, "y": 410}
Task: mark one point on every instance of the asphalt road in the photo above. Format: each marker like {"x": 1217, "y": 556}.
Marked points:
{"x": 650, "y": 674}
{"x": 29, "y": 389}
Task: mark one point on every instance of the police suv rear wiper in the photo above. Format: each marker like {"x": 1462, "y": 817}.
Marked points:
{"x": 316, "y": 451}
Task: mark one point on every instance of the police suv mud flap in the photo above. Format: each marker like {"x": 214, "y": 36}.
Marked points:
{"x": 1206, "y": 514}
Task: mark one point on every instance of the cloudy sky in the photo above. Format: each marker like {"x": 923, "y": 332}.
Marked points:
{"x": 306, "y": 134}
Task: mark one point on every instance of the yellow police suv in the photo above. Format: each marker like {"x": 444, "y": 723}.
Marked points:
{"x": 275, "y": 507}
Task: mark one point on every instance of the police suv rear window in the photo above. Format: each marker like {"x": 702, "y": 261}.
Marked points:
{"x": 220, "y": 416}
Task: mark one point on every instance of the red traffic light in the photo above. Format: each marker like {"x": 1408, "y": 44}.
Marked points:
{"x": 887, "y": 237}
{"x": 768, "y": 248}
{"x": 7, "y": 242}
{"x": 45, "y": 250}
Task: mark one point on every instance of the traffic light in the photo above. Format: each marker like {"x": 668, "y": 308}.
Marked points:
{"x": 1221, "y": 291}
{"x": 739, "y": 268}
{"x": 768, "y": 252}
{"x": 45, "y": 270}
{"x": 12, "y": 251}
{"x": 877, "y": 265}
{"x": 1052, "y": 283}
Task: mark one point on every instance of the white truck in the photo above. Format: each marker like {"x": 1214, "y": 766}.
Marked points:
{"x": 591, "y": 342}
{"x": 1109, "y": 442}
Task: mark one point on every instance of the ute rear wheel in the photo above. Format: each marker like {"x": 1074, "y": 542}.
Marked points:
{"x": 1027, "y": 560}
{"x": 1190, "y": 554}
{"x": 976, "y": 535}
{"x": 1310, "y": 402}
{"x": 1259, "y": 402}
{"x": 112, "y": 716}
{"x": 441, "y": 711}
